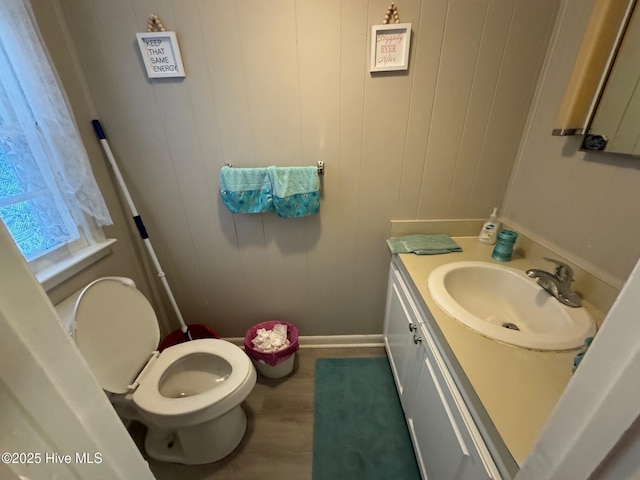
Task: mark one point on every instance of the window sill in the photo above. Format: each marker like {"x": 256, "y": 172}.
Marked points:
{"x": 53, "y": 276}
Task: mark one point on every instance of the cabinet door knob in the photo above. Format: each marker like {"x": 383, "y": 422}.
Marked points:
{"x": 412, "y": 327}
{"x": 417, "y": 339}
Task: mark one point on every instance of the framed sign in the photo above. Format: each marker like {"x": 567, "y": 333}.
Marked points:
{"x": 390, "y": 47}
{"x": 161, "y": 54}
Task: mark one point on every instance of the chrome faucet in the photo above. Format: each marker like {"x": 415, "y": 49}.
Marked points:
{"x": 558, "y": 283}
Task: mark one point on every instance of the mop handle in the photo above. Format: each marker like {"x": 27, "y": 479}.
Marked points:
{"x": 139, "y": 224}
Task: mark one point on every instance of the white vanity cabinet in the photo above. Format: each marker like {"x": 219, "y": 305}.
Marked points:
{"x": 446, "y": 439}
{"x": 401, "y": 327}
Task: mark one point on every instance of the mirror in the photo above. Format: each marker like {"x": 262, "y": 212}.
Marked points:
{"x": 615, "y": 124}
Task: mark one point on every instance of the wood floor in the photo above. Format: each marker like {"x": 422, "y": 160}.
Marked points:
{"x": 279, "y": 439}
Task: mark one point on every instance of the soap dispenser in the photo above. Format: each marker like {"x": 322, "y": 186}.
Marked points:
{"x": 490, "y": 228}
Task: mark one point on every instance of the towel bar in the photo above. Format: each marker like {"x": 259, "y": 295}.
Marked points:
{"x": 320, "y": 167}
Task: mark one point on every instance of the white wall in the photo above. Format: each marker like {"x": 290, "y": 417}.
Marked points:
{"x": 583, "y": 204}
{"x": 286, "y": 82}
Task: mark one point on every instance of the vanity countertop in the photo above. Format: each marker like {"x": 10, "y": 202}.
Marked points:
{"x": 518, "y": 388}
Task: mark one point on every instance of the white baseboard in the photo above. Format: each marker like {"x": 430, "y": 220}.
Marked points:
{"x": 329, "y": 341}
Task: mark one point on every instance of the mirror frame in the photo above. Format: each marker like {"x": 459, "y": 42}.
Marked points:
{"x": 602, "y": 39}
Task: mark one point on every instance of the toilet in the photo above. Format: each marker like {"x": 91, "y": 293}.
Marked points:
{"x": 188, "y": 395}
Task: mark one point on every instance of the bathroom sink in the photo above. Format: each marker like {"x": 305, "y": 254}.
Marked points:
{"x": 502, "y": 303}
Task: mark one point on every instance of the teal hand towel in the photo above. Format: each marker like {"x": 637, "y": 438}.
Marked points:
{"x": 423, "y": 244}
{"x": 296, "y": 191}
{"x": 246, "y": 190}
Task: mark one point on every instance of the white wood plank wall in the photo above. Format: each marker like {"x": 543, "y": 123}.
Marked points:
{"x": 286, "y": 82}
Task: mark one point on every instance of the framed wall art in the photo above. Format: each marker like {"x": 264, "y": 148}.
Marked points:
{"x": 390, "y": 47}
{"x": 161, "y": 54}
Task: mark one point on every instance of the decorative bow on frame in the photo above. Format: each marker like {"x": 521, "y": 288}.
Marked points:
{"x": 155, "y": 25}
{"x": 391, "y": 15}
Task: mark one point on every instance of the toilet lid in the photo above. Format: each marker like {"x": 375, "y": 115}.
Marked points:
{"x": 116, "y": 332}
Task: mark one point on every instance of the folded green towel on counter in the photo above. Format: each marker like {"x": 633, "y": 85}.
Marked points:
{"x": 423, "y": 244}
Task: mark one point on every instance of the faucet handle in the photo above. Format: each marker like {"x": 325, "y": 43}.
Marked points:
{"x": 563, "y": 272}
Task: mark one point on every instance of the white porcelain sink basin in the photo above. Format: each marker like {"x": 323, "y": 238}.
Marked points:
{"x": 494, "y": 300}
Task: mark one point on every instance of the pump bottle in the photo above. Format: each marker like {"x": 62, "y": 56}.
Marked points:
{"x": 490, "y": 228}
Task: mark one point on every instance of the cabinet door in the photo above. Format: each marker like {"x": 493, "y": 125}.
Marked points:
{"x": 446, "y": 440}
{"x": 446, "y": 447}
{"x": 400, "y": 323}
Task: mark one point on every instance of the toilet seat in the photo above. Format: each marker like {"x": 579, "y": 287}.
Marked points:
{"x": 149, "y": 399}
{"x": 115, "y": 347}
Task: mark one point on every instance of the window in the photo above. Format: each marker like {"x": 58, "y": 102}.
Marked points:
{"x": 30, "y": 204}
{"x": 49, "y": 200}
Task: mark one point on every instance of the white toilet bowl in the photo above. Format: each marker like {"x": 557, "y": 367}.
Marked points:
{"x": 190, "y": 401}
{"x": 188, "y": 395}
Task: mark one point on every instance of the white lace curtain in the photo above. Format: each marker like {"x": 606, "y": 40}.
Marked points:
{"x": 46, "y": 105}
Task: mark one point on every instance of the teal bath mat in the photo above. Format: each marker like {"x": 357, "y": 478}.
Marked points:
{"x": 359, "y": 430}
